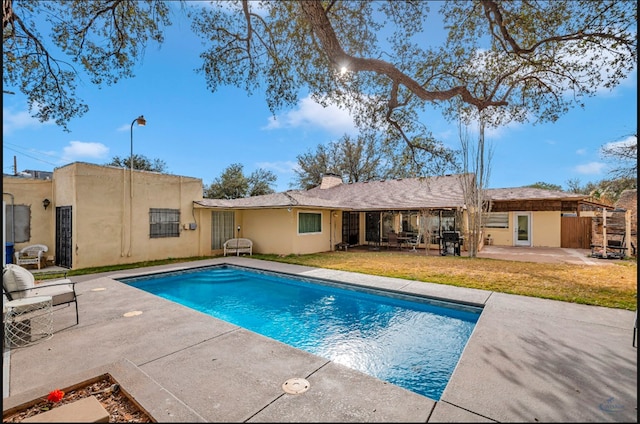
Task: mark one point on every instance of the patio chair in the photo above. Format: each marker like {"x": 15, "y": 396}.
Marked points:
{"x": 31, "y": 255}
{"x": 393, "y": 241}
{"x": 414, "y": 242}
{"x": 18, "y": 283}
{"x": 238, "y": 246}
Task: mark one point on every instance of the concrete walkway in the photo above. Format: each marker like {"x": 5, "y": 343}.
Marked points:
{"x": 528, "y": 360}
{"x": 554, "y": 255}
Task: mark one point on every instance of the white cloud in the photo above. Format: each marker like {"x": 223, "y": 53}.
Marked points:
{"x": 81, "y": 150}
{"x": 311, "y": 114}
{"x": 285, "y": 167}
{"x": 581, "y": 152}
{"x": 590, "y": 168}
{"x": 12, "y": 121}
{"x": 629, "y": 141}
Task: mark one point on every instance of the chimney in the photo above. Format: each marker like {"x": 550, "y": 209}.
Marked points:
{"x": 330, "y": 180}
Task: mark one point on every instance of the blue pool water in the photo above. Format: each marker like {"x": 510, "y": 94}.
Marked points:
{"x": 413, "y": 342}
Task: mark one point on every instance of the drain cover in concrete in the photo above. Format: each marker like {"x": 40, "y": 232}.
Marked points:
{"x": 132, "y": 314}
{"x": 98, "y": 289}
{"x": 295, "y": 386}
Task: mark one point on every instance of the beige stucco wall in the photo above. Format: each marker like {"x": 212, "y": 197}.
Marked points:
{"x": 275, "y": 231}
{"x": 111, "y": 225}
{"x": 545, "y": 229}
{"x": 502, "y": 236}
{"x": 271, "y": 230}
{"x": 203, "y": 232}
{"x": 31, "y": 193}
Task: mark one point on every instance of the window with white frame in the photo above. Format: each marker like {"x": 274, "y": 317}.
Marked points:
{"x": 309, "y": 222}
{"x": 496, "y": 220}
{"x": 164, "y": 223}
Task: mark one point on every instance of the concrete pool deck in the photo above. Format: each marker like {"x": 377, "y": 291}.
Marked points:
{"x": 528, "y": 360}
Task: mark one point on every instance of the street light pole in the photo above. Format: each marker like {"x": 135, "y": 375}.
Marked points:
{"x": 141, "y": 122}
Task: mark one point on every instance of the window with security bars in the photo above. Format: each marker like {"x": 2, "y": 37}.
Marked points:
{"x": 496, "y": 220}
{"x": 164, "y": 223}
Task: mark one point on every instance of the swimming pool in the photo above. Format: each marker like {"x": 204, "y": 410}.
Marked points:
{"x": 411, "y": 341}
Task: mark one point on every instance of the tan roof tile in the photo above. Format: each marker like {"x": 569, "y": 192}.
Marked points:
{"x": 401, "y": 194}
{"x": 408, "y": 193}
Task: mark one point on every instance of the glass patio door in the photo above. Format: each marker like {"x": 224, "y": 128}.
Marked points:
{"x": 523, "y": 229}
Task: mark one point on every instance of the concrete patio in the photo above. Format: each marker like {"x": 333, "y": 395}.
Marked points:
{"x": 528, "y": 360}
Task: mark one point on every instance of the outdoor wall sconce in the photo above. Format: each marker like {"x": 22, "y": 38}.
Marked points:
{"x": 46, "y": 203}
{"x": 238, "y": 230}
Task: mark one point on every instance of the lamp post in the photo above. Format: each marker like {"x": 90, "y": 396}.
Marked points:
{"x": 142, "y": 122}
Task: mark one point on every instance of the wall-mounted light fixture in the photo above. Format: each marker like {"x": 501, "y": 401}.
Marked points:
{"x": 288, "y": 209}
{"x": 46, "y": 203}
{"x": 238, "y": 230}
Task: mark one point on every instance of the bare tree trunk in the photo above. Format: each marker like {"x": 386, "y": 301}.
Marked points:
{"x": 425, "y": 229}
{"x": 476, "y": 161}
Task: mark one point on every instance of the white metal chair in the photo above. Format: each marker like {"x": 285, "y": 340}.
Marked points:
{"x": 414, "y": 242}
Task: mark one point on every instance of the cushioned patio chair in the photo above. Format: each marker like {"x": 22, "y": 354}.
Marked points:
{"x": 18, "y": 283}
{"x": 31, "y": 255}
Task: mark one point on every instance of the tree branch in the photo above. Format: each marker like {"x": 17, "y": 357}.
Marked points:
{"x": 322, "y": 28}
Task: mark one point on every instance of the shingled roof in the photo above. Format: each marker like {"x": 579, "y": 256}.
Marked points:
{"x": 408, "y": 193}
{"x": 530, "y": 193}
{"x": 442, "y": 192}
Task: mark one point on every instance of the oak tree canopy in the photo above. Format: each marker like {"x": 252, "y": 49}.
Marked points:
{"x": 384, "y": 60}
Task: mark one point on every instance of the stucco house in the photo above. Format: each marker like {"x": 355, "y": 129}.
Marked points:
{"x": 102, "y": 215}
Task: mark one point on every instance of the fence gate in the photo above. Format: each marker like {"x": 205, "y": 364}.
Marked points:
{"x": 575, "y": 232}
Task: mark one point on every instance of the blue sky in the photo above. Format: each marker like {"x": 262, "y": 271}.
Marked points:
{"x": 199, "y": 133}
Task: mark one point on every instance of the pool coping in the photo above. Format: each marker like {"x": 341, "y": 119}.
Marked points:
{"x": 528, "y": 359}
